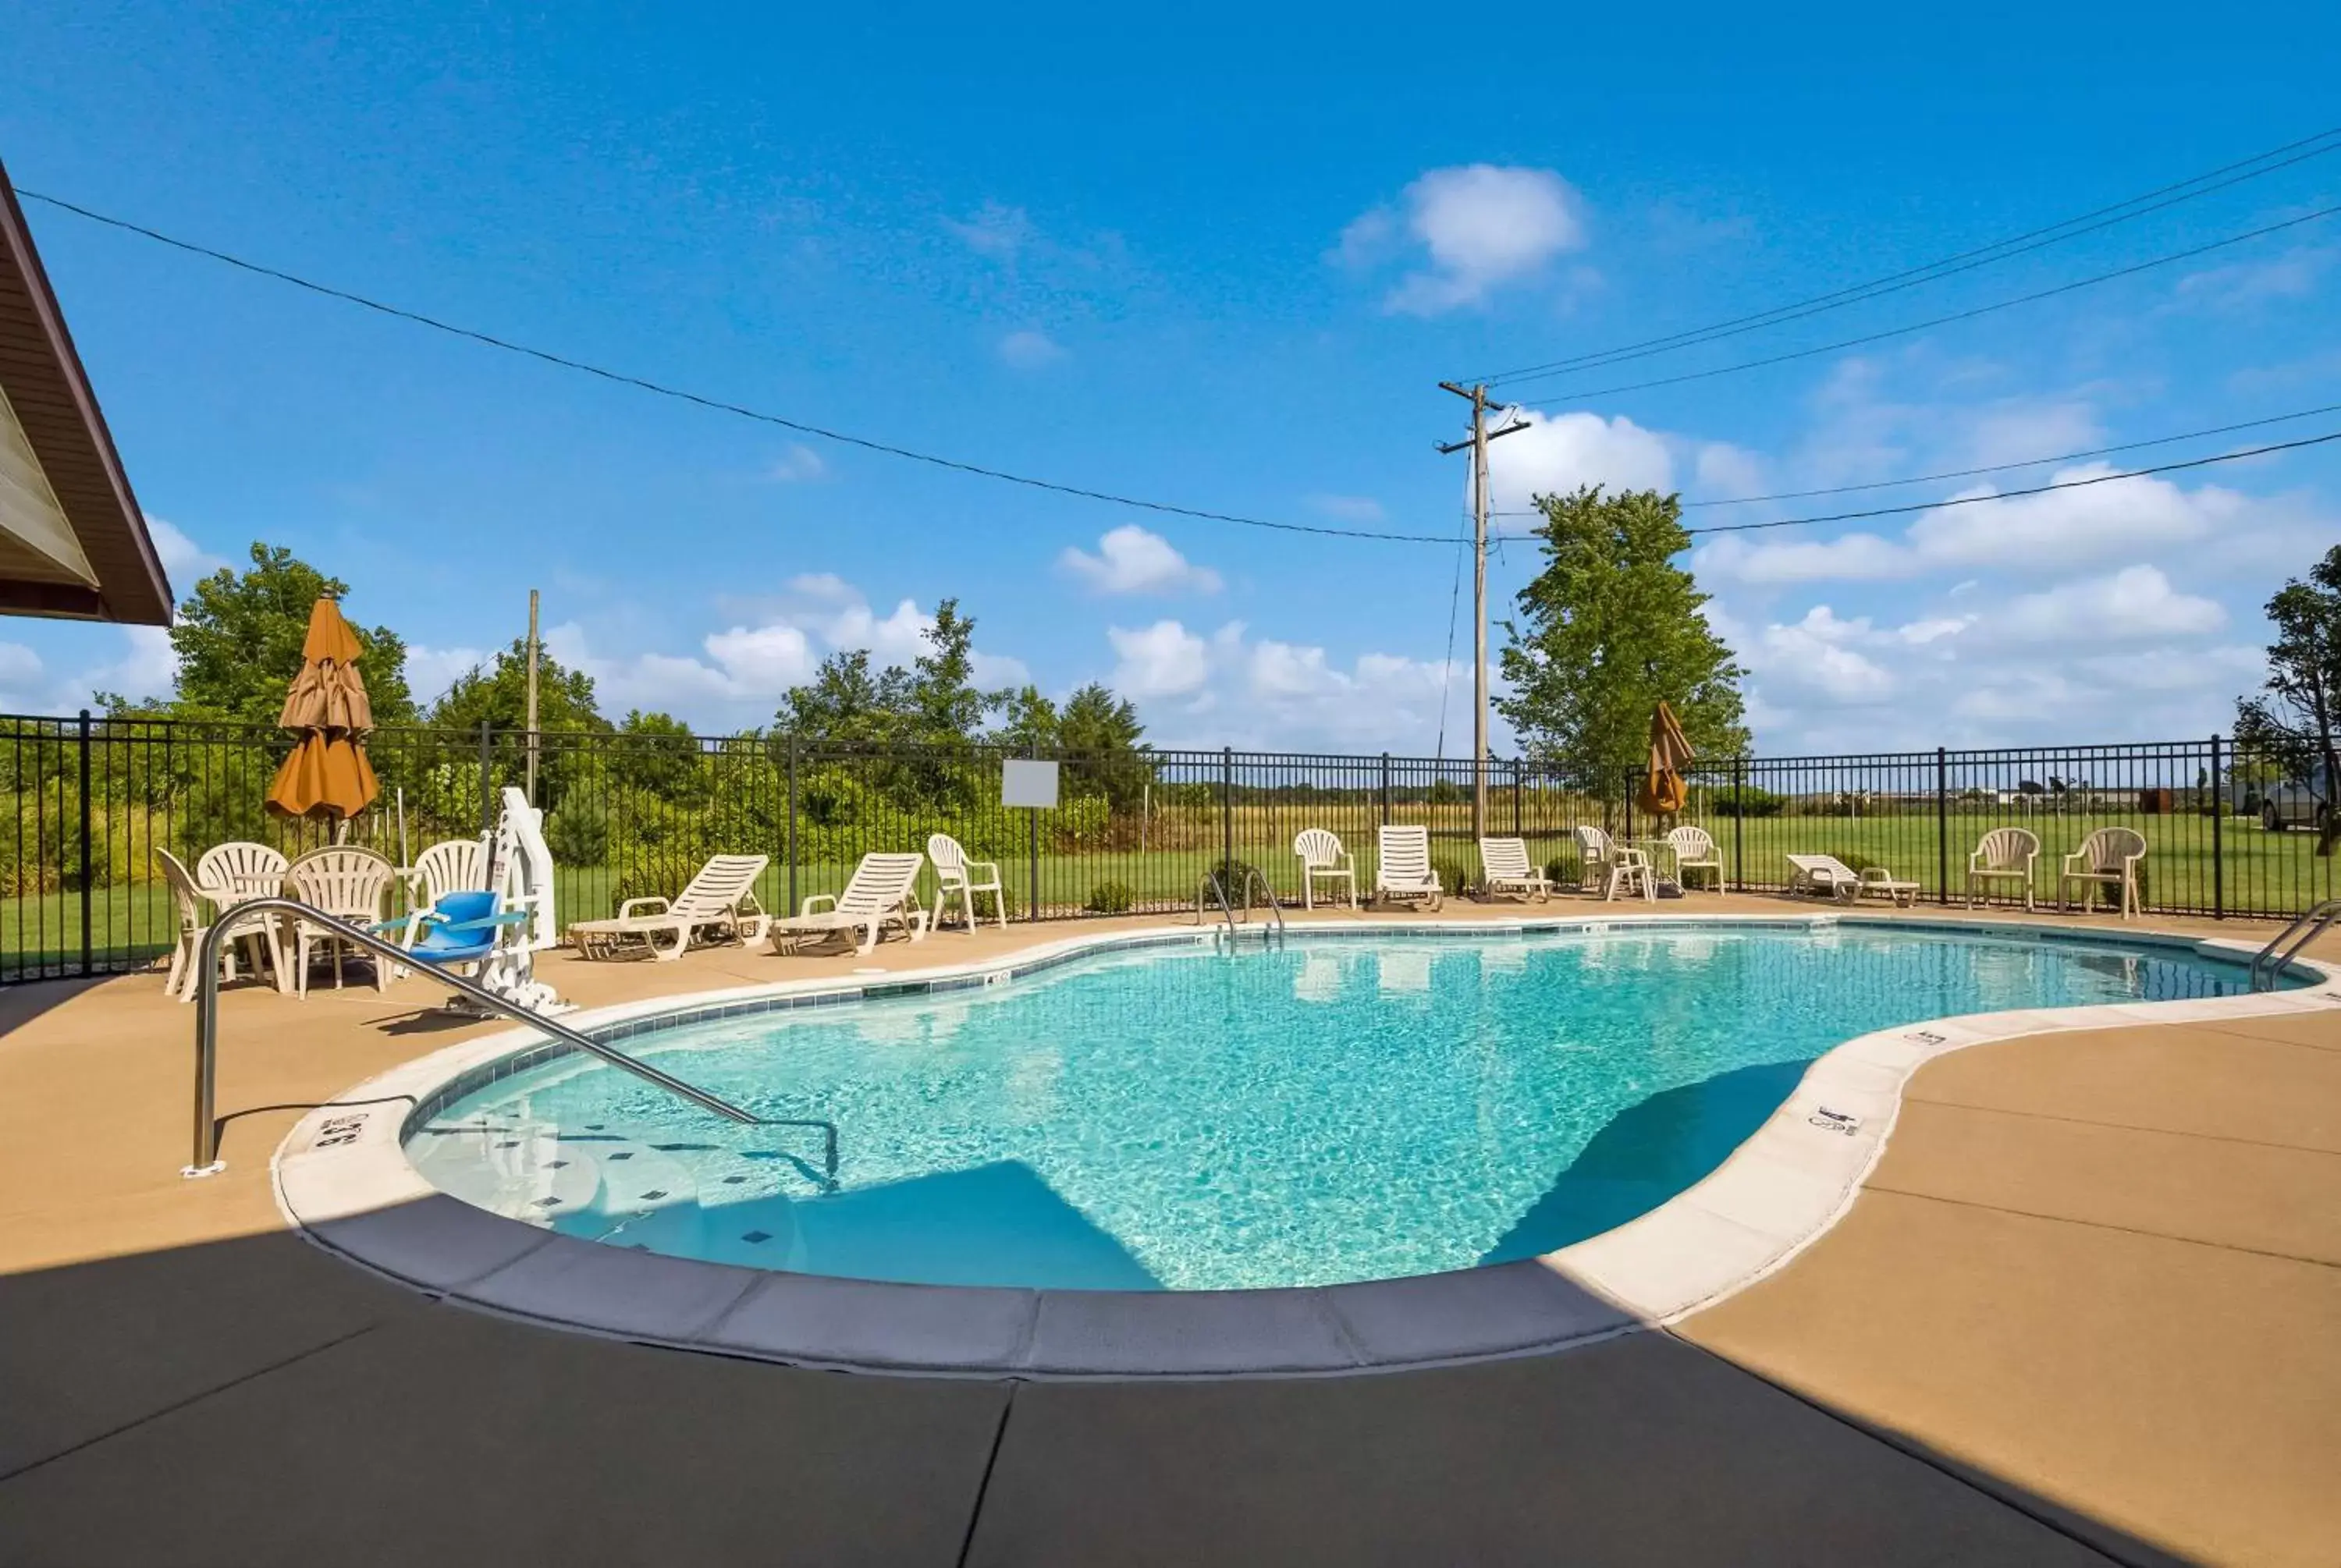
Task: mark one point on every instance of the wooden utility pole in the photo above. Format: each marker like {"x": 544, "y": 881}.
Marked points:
{"x": 1478, "y": 442}
{"x": 532, "y": 696}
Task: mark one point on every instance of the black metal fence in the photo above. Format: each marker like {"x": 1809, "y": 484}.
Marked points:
{"x": 94, "y": 800}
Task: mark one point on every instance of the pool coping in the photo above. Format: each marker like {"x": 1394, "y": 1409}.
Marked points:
{"x": 343, "y": 1180}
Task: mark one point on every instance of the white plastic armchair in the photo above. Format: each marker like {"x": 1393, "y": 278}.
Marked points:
{"x": 256, "y": 934}
{"x": 1504, "y": 867}
{"x": 1322, "y": 856}
{"x": 882, "y": 892}
{"x": 2110, "y": 856}
{"x": 347, "y": 883}
{"x": 1593, "y": 852}
{"x": 237, "y": 870}
{"x": 956, "y": 875}
{"x": 1402, "y": 867}
{"x": 1629, "y": 873}
{"x": 1694, "y": 850}
{"x": 2005, "y": 855}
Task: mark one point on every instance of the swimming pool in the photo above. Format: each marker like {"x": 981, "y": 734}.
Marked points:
{"x": 1181, "y": 1119}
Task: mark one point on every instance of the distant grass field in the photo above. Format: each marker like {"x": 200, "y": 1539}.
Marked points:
{"x": 2255, "y": 873}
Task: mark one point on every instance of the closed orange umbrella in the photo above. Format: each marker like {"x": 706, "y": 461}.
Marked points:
{"x": 1664, "y": 791}
{"x": 327, "y": 775}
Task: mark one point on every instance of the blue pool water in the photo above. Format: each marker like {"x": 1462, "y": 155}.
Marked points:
{"x": 1185, "y": 1119}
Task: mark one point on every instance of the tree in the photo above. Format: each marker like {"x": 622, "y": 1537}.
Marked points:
{"x": 945, "y": 707}
{"x": 2295, "y": 717}
{"x": 1098, "y": 733}
{"x": 498, "y": 693}
{"x": 844, "y": 704}
{"x": 1029, "y": 721}
{"x": 1609, "y": 628}
{"x": 238, "y": 641}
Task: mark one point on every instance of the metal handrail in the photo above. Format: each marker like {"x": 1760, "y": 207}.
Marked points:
{"x": 2268, "y": 963}
{"x": 207, "y": 1161}
{"x": 1219, "y": 890}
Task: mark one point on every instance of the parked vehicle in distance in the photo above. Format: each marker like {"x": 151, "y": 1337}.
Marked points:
{"x": 2291, "y": 802}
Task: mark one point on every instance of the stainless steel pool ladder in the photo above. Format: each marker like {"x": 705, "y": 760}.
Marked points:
{"x": 2270, "y": 962}
{"x": 1274, "y": 926}
{"x": 206, "y": 1161}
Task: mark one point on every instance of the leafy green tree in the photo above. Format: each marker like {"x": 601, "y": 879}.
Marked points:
{"x": 1029, "y": 721}
{"x": 844, "y": 705}
{"x": 2297, "y": 715}
{"x": 498, "y": 693}
{"x": 945, "y": 709}
{"x": 657, "y": 753}
{"x": 238, "y": 641}
{"x": 1098, "y": 732}
{"x": 1609, "y": 628}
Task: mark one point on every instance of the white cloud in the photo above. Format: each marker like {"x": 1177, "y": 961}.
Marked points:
{"x": 1030, "y": 350}
{"x": 1164, "y": 660}
{"x": 1817, "y": 654}
{"x": 1558, "y": 453}
{"x": 1130, "y": 560}
{"x": 430, "y": 671}
{"x": 1479, "y": 226}
{"x": 2025, "y": 535}
{"x": 995, "y": 231}
{"x": 184, "y": 560}
{"x": 798, "y": 465}
{"x": 2242, "y": 285}
{"x": 1231, "y": 689}
{"x": 2136, "y": 602}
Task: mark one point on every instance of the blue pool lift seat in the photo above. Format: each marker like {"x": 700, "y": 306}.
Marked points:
{"x": 462, "y": 927}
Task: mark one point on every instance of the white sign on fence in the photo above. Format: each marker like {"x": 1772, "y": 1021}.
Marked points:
{"x": 1026, "y": 783}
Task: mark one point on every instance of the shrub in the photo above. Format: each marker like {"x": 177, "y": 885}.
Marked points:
{"x": 577, "y": 830}
{"x": 1455, "y": 876}
{"x": 1234, "y": 877}
{"x": 1751, "y": 802}
{"x": 994, "y": 907}
{"x": 1110, "y": 898}
{"x": 1565, "y": 871}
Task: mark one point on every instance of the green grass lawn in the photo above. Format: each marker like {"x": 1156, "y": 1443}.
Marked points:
{"x": 2258, "y": 873}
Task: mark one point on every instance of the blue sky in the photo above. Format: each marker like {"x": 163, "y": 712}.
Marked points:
{"x": 1216, "y": 260}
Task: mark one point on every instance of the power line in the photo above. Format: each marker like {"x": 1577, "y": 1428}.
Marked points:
{"x": 2013, "y": 494}
{"x": 1994, "y": 468}
{"x": 1965, "y": 260}
{"x": 700, "y": 400}
{"x": 1968, "y": 315}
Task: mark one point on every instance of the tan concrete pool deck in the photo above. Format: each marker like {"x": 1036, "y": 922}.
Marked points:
{"x": 2091, "y": 1293}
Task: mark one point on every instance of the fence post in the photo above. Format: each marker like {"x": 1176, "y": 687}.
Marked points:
{"x": 85, "y": 843}
{"x": 2219, "y": 862}
{"x": 1942, "y": 829}
{"x": 1032, "y": 851}
{"x": 1385, "y": 788}
{"x": 1227, "y": 808}
{"x": 791, "y": 910}
{"x": 487, "y": 812}
{"x": 1516, "y": 798}
{"x": 1739, "y": 815}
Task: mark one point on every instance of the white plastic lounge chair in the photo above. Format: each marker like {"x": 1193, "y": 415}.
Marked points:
{"x": 1321, "y": 854}
{"x": 882, "y": 892}
{"x": 2005, "y": 855}
{"x": 956, "y": 875}
{"x": 1629, "y": 873}
{"x": 1504, "y": 869}
{"x": 348, "y": 883}
{"x": 1694, "y": 850}
{"x": 1823, "y": 876}
{"x": 1818, "y": 873}
{"x": 1402, "y": 869}
{"x": 1593, "y": 852}
{"x": 2110, "y": 856}
{"x": 255, "y": 933}
{"x": 720, "y": 899}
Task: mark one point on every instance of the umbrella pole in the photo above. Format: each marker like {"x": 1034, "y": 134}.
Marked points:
{"x": 402, "y": 827}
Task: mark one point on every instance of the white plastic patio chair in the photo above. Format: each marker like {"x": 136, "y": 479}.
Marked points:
{"x": 720, "y": 898}
{"x": 1593, "y": 852}
{"x": 1629, "y": 873}
{"x": 2110, "y": 856}
{"x": 452, "y": 865}
{"x": 957, "y": 876}
{"x": 1402, "y": 868}
{"x": 254, "y": 933}
{"x": 1322, "y": 856}
{"x": 883, "y": 891}
{"x": 1504, "y": 867}
{"x": 239, "y": 869}
{"x": 2005, "y": 855}
{"x": 1694, "y": 850}
{"x": 348, "y": 883}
